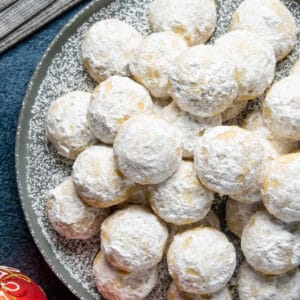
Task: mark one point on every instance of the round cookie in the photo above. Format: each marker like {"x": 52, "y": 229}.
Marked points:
{"x": 116, "y": 284}
{"x": 233, "y": 110}
{"x": 133, "y": 239}
{"x": 269, "y": 245}
{"x": 71, "y": 217}
{"x": 273, "y": 145}
{"x": 147, "y": 149}
{"x": 189, "y": 127}
{"x": 203, "y": 83}
{"x": 195, "y": 20}
{"x": 281, "y": 188}
{"x": 153, "y": 60}
{"x": 238, "y": 214}
{"x": 107, "y": 48}
{"x": 228, "y": 159}
{"x": 270, "y": 20}
{"x": 97, "y": 180}
{"x": 175, "y": 294}
{"x": 181, "y": 199}
{"x": 254, "y": 60}
{"x": 112, "y": 103}
{"x": 66, "y": 124}
{"x": 255, "y": 285}
{"x": 201, "y": 260}
{"x": 281, "y": 108}
{"x": 295, "y": 70}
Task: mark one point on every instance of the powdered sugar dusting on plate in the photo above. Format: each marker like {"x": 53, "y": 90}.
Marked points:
{"x": 46, "y": 169}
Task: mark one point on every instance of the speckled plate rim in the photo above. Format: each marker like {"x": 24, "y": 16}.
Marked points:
{"x": 22, "y": 140}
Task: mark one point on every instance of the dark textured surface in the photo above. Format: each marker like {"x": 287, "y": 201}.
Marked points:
{"x": 17, "y": 248}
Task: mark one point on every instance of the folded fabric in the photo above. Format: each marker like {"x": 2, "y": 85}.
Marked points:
{"x": 19, "y": 18}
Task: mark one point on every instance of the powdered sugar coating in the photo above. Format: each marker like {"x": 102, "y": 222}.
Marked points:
{"x": 66, "y": 124}
{"x": 195, "y": 20}
{"x": 269, "y": 245}
{"x": 273, "y": 145}
{"x": 255, "y": 285}
{"x": 281, "y": 108}
{"x": 210, "y": 220}
{"x": 295, "y": 70}
{"x": 270, "y": 20}
{"x": 69, "y": 216}
{"x": 147, "y": 149}
{"x": 175, "y": 294}
{"x": 197, "y": 267}
{"x": 133, "y": 239}
{"x": 115, "y": 284}
{"x": 189, "y": 127}
{"x": 97, "y": 179}
{"x": 181, "y": 199}
{"x": 238, "y": 214}
{"x": 251, "y": 195}
{"x": 153, "y": 59}
{"x": 113, "y": 102}
{"x": 233, "y": 110}
{"x": 202, "y": 82}
{"x": 228, "y": 159}
{"x": 281, "y": 189}
{"x": 107, "y": 48}
{"x": 254, "y": 60}
{"x": 45, "y": 169}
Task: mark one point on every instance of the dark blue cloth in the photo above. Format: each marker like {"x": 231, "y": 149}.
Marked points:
{"x": 17, "y": 248}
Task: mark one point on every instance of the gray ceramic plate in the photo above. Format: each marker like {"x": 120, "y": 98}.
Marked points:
{"x": 39, "y": 168}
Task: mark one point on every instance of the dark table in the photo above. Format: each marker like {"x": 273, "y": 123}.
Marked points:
{"x": 17, "y": 248}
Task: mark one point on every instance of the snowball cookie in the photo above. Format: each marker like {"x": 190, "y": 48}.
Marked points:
{"x": 202, "y": 82}
{"x": 281, "y": 108}
{"x": 113, "y": 283}
{"x": 269, "y": 245}
{"x": 175, "y": 294}
{"x": 255, "y": 285}
{"x": 107, "y": 48}
{"x": 273, "y": 145}
{"x": 228, "y": 159}
{"x": 69, "y": 216}
{"x": 254, "y": 60}
{"x": 233, "y": 110}
{"x": 238, "y": 214}
{"x": 153, "y": 60}
{"x": 147, "y": 149}
{"x": 66, "y": 124}
{"x": 270, "y": 20}
{"x": 133, "y": 239}
{"x": 113, "y": 102}
{"x": 195, "y": 20}
{"x": 189, "y": 127}
{"x": 181, "y": 199}
{"x": 295, "y": 70}
{"x": 281, "y": 187}
{"x": 201, "y": 260}
{"x": 97, "y": 179}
